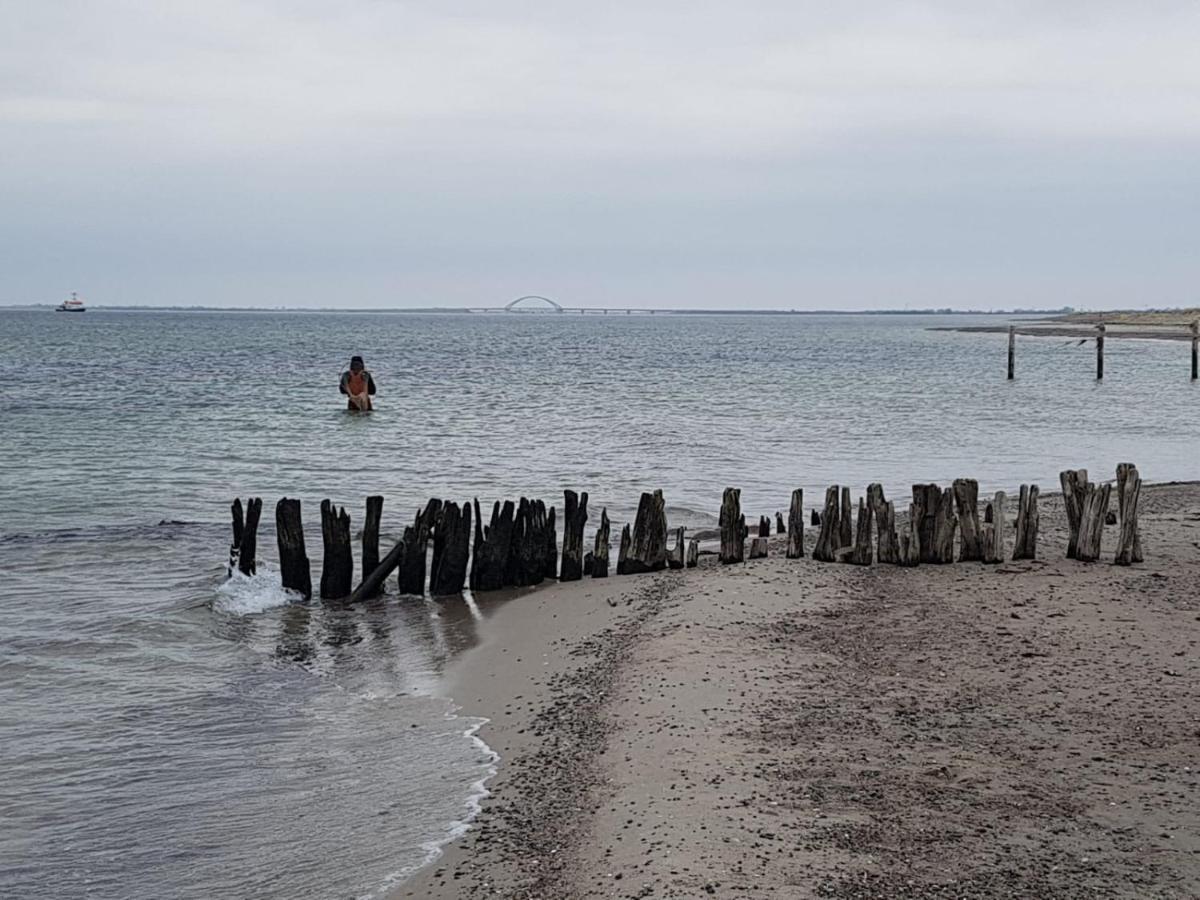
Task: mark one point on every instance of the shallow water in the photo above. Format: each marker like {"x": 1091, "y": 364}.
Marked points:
{"x": 167, "y": 734}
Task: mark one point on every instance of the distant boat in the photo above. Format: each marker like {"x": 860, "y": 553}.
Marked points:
{"x": 72, "y": 305}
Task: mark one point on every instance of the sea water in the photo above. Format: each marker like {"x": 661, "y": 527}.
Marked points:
{"x": 168, "y": 733}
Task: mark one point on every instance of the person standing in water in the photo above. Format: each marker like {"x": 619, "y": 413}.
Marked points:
{"x": 357, "y": 385}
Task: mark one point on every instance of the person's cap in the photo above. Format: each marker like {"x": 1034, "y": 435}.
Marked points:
{"x": 355, "y": 359}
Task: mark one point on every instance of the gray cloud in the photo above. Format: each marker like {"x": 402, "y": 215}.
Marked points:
{"x": 772, "y": 154}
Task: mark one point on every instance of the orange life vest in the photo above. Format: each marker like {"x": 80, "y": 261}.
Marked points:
{"x": 357, "y": 383}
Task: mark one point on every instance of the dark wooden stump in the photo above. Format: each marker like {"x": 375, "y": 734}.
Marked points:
{"x": 1012, "y": 351}
{"x": 758, "y": 548}
{"x": 993, "y": 530}
{"x": 600, "y": 551}
{"x": 935, "y": 524}
{"x": 780, "y": 527}
{"x": 795, "y": 529}
{"x": 1129, "y": 541}
{"x": 733, "y": 527}
{"x": 337, "y": 569}
{"x": 675, "y": 555}
{"x": 370, "y": 537}
{"x": 816, "y": 519}
{"x": 966, "y": 507}
{"x": 623, "y": 552}
{"x": 862, "y": 552}
{"x": 372, "y": 584}
{"x": 245, "y": 533}
{"x": 293, "y": 560}
{"x": 239, "y": 528}
{"x": 574, "y": 518}
{"x": 1074, "y": 487}
{"x": 491, "y": 547}
{"x": 828, "y": 538}
{"x": 910, "y": 539}
{"x": 551, "y": 556}
{"x": 887, "y": 544}
{"x": 1100, "y": 329}
{"x": 1025, "y": 543}
{"x": 416, "y": 549}
{"x": 1125, "y": 471}
{"x": 845, "y": 521}
{"x": 526, "y": 565}
{"x": 693, "y": 553}
{"x": 648, "y": 551}
{"x": 451, "y": 550}
{"x": 1091, "y": 522}
{"x": 589, "y": 560}
{"x": 764, "y": 527}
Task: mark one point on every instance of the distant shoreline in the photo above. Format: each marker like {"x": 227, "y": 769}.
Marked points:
{"x": 597, "y": 311}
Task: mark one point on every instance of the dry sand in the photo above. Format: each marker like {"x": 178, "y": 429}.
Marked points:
{"x": 787, "y": 728}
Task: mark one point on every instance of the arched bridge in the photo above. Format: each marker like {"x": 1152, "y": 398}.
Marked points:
{"x": 509, "y": 307}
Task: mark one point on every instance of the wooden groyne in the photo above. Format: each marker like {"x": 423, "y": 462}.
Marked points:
{"x": 518, "y": 547}
{"x": 1099, "y": 333}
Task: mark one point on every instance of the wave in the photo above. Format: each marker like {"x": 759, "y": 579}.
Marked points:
{"x": 245, "y": 595}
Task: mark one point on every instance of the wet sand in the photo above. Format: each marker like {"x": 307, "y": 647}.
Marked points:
{"x": 788, "y": 728}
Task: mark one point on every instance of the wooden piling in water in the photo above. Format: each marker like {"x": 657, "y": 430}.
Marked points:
{"x": 337, "y": 568}
{"x": 490, "y": 553}
{"x": 370, "y": 536}
{"x": 243, "y": 551}
{"x": 239, "y": 528}
{"x": 1025, "y": 542}
{"x": 293, "y": 560}
{"x": 828, "y": 538}
{"x": 795, "y": 530}
{"x": 966, "y": 508}
{"x": 1129, "y": 539}
{"x": 416, "y": 546}
{"x": 1195, "y": 328}
{"x": 451, "y": 550}
{"x": 733, "y": 527}
{"x": 372, "y": 584}
{"x": 574, "y": 518}
{"x": 600, "y": 551}
{"x": 1100, "y": 329}
{"x": 1012, "y": 351}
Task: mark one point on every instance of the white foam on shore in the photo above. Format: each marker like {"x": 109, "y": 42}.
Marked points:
{"x": 246, "y": 595}
{"x": 457, "y": 828}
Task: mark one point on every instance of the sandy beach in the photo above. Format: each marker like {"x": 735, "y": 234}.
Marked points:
{"x": 798, "y": 729}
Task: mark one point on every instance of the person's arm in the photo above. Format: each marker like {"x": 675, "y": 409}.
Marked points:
{"x": 370, "y": 383}
{"x": 342, "y": 384}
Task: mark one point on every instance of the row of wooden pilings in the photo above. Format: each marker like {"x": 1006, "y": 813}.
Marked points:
{"x": 1101, "y": 330}
{"x": 519, "y": 545}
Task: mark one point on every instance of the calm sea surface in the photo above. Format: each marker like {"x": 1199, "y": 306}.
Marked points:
{"x": 166, "y": 734}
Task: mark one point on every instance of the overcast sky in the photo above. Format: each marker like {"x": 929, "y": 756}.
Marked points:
{"x": 787, "y": 154}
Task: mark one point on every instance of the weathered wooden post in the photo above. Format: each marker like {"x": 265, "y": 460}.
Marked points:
{"x": 935, "y": 524}
{"x": 623, "y": 550}
{"x": 795, "y": 531}
{"x": 451, "y": 549}
{"x": 966, "y": 506}
{"x": 1025, "y": 543}
{"x": 828, "y": 537}
{"x": 1100, "y": 329}
{"x": 816, "y": 519}
{"x": 1124, "y": 472}
{"x": 845, "y": 521}
{"x": 337, "y": 569}
{"x": 370, "y": 536}
{"x": 993, "y": 530}
{"x": 1129, "y": 540}
{"x": 888, "y": 546}
{"x": 780, "y": 528}
{"x": 648, "y": 550}
{"x": 293, "y": 560}
{"x": 861, "y": 554}
{"x": 525, "y": 566}
{"x": 244, "y": 549}
{"x": 675, "y": 555}
{"x": 372, "y": 584}
{"x": 1196, "y": 350}
{"x": 910, "y": 539}
{"x": 574, "y": 518}
{"x": 693, "y": 553}
{"x": 551, "y": 557}
{"x": 1091, "y": 522}
{"x": 600, "y": 553}
{"x": 733, "y": 527}
{"x": 1012, "y": 351}
{"x": 492, "y": 544}
{"x": 758, "y": 547}
{"x": 1074, "y": 488}
{"x": 416, "y": 546}
{"x": 764, "y": 526}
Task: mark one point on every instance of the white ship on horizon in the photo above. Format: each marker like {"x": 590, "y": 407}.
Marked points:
{"x": 72, "y": 305}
